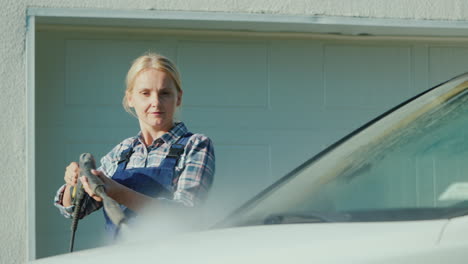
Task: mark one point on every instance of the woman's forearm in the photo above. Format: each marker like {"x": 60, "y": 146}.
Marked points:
{"x": 66, "y": 198}
{"x": 133, "y": 200}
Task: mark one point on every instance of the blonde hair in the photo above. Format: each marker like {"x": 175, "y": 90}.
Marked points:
{"x": 145, "y": 62}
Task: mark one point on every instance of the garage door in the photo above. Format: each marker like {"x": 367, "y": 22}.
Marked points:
{"x": 268, "y": 102}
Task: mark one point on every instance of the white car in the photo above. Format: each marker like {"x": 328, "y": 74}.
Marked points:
{"x": 393, "y": 191}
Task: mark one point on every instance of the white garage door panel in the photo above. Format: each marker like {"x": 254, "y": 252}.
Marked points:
{"x": 287, "y": 149}
{"x": 296, "y": 78}
{"x": 366, "y": 76}
{"x": 288, "y": 154}
{"x": 96, "y": 148}
{"x": 110, "y": 116}
{"x": 447, "y": 62}
{"x": 224, "y": 74}
{"x": 344, "y": 119}
{"x": 96, "y": 69}
{"x": 97, "y": 135}
{"x": 90, "y": 234}
{"x": 242, "y": 171}
{"x": 237, "y": 118}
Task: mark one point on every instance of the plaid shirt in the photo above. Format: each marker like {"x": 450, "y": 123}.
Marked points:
{"x": 193, "y": 173}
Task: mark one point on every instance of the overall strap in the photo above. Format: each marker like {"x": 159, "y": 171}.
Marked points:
{"x": 177, "y": 149}
{"x": 125, "y": 156}
{"x": 162, "y": 180}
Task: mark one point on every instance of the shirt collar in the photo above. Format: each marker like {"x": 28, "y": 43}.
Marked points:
{"x": 171, "y": 137}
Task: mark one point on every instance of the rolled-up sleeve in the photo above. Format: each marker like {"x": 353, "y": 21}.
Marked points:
{"x": 65, "y": 211}
{"x": 196, "y": 176}
{"x": 89, "y": 205}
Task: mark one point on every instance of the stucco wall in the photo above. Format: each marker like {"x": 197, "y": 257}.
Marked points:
{"x": 13, "y": 203}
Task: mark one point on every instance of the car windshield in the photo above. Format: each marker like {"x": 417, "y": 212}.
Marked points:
{"x": 410, "y": 164}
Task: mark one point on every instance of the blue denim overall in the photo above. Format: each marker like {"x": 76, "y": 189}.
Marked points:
{"x": 152, "y": 181}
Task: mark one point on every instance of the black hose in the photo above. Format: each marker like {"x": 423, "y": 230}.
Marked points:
{"x": 78, "y": 199}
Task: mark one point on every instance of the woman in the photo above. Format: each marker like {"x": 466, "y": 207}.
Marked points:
{"x": 164, "y": 163}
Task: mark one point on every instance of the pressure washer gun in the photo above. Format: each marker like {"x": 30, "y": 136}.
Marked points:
{"x": 112, "y": 208}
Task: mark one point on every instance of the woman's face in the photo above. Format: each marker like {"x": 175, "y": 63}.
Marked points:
{"x": 155, "y": 99}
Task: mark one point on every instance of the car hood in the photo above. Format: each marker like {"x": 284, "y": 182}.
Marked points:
{"x": 297, "y": 243}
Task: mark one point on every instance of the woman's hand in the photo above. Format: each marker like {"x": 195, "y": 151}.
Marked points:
{"x": 72, "y": 171}
{"x": 109, "y": 184}
{"x": 120, "y": 193}
{"x": 71, "y": 174}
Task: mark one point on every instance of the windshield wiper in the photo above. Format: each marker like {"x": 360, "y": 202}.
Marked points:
{"x": 308, "y": 217}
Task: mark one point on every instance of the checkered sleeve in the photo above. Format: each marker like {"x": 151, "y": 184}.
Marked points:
{"x": 197, "y": 173}
{"x": 89, "y": 205}
{"x": 65, "y": 211}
